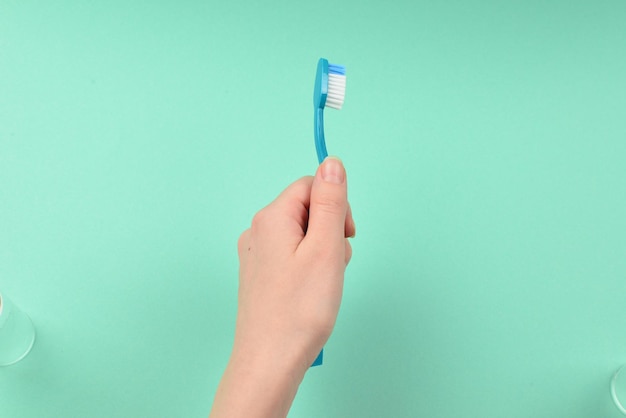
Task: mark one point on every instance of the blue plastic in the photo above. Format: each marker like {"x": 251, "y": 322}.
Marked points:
{"x": 336, "y": 69}
{"x": 320, "y": 358}
{"x": 320, "y": 93}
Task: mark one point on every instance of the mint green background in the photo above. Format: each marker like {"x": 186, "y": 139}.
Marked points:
{"x": 485, "y": 144}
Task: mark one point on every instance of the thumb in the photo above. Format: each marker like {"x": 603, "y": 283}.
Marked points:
{"x": 329, "y": 205}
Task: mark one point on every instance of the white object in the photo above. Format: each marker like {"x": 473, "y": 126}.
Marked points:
{"x": 618, "y": 389}
{"x": 17, "y": 333}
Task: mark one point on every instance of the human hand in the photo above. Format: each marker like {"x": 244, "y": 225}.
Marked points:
{"x": 292, "y": 264}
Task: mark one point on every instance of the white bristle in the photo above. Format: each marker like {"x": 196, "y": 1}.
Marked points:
{"x": 336, "y": 90}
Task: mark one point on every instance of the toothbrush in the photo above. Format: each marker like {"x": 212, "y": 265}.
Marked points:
{"x": 330, "y": 90}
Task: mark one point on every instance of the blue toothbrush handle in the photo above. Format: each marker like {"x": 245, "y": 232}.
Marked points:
{"x": 320, "y": 147}
{"x": 320, "y": 142}
{"x": 320, "y": 358}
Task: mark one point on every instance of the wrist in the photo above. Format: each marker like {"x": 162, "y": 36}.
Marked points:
{"x": 260, "y": 381}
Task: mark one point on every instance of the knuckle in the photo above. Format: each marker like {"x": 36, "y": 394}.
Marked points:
{"x": 243, "y": 240}
{"x": 259, "y": 220}
{"x": 348, "y": 252}
{"x": 330, "y": 204}
{"x": 319, "y": 252}
{"x": 322, "y": 324}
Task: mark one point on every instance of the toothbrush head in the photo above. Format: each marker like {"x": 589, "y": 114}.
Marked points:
{"x": 330, "y": 85}
{"x": 330, "y": 90}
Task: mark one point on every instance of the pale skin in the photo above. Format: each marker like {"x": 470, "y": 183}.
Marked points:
{"x": 292, "y": 263}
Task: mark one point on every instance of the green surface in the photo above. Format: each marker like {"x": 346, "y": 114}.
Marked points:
{"x": 485, "y": 144}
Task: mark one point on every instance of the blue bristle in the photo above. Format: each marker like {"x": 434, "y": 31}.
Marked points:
{"x": 336, "y": 69}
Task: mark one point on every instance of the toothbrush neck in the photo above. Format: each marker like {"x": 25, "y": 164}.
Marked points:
{"x": 320, "y": 141}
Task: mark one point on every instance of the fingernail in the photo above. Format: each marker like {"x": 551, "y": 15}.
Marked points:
{"x": 332, "y": 170}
